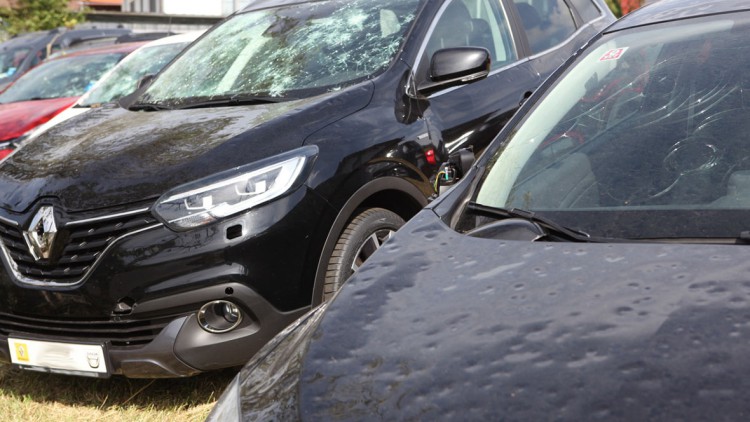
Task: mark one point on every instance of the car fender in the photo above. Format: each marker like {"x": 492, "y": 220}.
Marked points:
{"x": 396, "y": 185}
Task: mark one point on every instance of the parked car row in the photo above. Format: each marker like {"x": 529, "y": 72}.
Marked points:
{"x": 47, "y": 89}
{"x": 581, "y": 258}
{"x": 591, "y": 265}
{"x": 25, "y": 51}
{"x": 125, "y": 77}
{"x": 69, "y": 84}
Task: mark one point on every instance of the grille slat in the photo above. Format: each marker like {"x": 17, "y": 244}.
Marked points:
{"x": 117, "y": 333}
{"x": 11, "y": 234}
{"x": 56, "y": 274}
{"x": 74, "y": 248}
{"x": 85, "y": 243}
{"x": 79, "y": 259}
{"x": 20, "y": 257}
{"x": 19, "y": 245}
{"x": 113, "y": 229}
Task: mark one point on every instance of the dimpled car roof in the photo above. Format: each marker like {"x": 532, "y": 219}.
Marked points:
{"x": 671, "y": 10}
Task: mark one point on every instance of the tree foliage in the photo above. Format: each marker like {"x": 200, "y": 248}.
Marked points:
{"x": 614, "y": 5}
{"x": 623, "y": 7}
{"x": 37, "y": 15}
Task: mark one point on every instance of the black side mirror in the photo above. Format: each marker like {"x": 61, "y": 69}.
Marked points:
{"x": 456, "y": 66}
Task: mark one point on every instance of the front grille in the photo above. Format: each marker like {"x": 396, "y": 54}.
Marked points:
{"x": 85, "y": 243}
{"x": 116, "y": 333}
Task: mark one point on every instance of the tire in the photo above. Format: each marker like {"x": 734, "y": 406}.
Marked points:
{"x": 364, "y": 234}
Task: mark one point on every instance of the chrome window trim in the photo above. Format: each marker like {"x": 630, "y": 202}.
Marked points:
{"x": 567, "y": 40}
{"x": 107, "y": 217}
{"x": 492, "y": 73}
{"x": 10, "y": 222}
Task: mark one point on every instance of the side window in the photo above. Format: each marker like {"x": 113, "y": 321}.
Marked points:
{"x": 547, "y": 22}
{"x": 54, "y": 48}
{"x": 39, "y": 57}
{"x": 587, "y": 9}
{"x": 475, "y": 23}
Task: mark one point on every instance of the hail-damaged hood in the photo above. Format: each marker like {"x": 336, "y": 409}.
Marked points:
{"x": 112, "y": 156}
{"x": 442, "y": 326}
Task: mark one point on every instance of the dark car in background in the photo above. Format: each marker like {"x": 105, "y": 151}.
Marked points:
{"x": 180, "y": 232}
{"x": 48, "y": 89}
{"x": 592, "y": 265}
{"x": 24, "y": 51}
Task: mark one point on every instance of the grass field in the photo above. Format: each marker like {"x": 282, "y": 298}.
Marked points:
{"x": 29, "y": 396}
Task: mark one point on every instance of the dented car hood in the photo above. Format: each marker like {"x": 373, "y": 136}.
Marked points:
{"x": 112, "y": 156}
{"x": 440, "y": 325}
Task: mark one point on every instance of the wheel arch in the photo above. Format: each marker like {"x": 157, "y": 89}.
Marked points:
{"x": 392, "y": 193}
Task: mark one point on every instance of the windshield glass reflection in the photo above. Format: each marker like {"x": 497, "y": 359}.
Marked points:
{"x": 298, "y": 50}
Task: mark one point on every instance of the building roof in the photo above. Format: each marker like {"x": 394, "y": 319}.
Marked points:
{"x": 103, "y": 2}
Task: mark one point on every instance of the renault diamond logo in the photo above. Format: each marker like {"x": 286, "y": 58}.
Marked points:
{"x": 41, "y": 234}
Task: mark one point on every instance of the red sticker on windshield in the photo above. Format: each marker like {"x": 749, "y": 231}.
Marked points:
{"x": 613, "y": 54}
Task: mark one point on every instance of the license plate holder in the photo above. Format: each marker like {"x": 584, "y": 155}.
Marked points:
{"x": 84, "y": 359}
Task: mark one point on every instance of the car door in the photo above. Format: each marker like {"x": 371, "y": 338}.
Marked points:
{"x": 470, "y": 115}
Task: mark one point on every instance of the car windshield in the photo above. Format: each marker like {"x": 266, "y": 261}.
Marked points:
{"x": 64, "y": 77}
{"x": 123, "y": 79}
{"x": 290, "y": 51}
{"x": 11, "y": 59}
{"x": 644, "y": 137}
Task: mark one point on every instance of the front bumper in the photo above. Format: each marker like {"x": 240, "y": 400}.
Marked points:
{"x": 140, "y": 298}
{"x": 182, "y": 348}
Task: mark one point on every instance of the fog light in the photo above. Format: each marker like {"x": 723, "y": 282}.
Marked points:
{"x": 219, "y": 316}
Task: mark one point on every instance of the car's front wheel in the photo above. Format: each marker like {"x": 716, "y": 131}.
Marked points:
{"x": 364, "y": 234}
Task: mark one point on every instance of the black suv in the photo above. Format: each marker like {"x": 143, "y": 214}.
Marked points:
{"x": 253, "y": 175}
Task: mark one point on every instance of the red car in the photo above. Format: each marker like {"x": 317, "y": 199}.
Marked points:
{"x": 50, "y": 88}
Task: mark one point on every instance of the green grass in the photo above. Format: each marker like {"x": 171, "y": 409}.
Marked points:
{"x": 30, "y": 396}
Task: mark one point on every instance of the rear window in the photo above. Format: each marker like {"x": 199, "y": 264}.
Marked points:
{"x": 66, "y": 77}
{"x": 546, "y": 22}
{"x": 10, "y": 60}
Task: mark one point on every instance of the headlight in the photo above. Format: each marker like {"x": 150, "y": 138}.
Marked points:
{"x": 215, "y": 197}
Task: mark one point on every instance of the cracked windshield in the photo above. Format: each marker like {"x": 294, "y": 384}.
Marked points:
{"x": 293, "y": 51}
{"x": 124, "y": 78}
{"x": 650, "y": 123}
{"x": 65, "y": 77}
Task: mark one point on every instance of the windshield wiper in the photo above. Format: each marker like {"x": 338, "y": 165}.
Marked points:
{"x": 31, "y": 99}
{"x": 234, "y": 100}
{"x": 148, "y": 107}
{"x": 549, "y": 226}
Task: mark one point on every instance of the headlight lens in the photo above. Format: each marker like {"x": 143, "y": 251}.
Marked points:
{"x": 213, "y": 198}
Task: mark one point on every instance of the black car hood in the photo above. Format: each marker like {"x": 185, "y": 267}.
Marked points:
{"x": 112, "y": 156}
{"x": 442, "y": 326}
